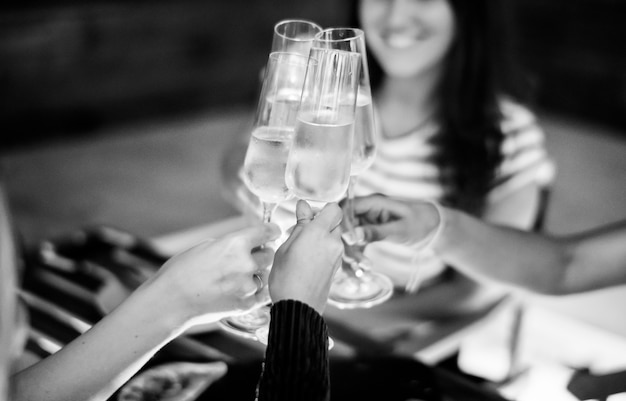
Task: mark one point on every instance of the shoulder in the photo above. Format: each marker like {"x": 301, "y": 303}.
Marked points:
{"x": 520, "y": 127}
{"x": 515, "y": 116}
{"x": 525, "y": 158}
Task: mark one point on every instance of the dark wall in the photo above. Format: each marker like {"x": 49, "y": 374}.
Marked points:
{"x": 72, "y": 66}
{"x": 69, "y": 67}
{"x": 576, "y": 50}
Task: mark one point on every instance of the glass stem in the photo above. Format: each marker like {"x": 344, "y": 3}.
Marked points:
{"x": 268, "y": 210}
{"x": 353, "y": 253}
{"x": 350, "y": 204}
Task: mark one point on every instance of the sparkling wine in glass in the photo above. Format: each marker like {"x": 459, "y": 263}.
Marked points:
{"x": 273, "y": 131}
{"x": 266, "y": 156}
{"x": 356, "y": 285}
{"x": 289, "y": 36}
{"x": 318, "y": 166}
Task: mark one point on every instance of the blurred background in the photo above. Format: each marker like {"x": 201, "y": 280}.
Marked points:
{"x": 71, "y": 67}
{"x": 120, "y": 112}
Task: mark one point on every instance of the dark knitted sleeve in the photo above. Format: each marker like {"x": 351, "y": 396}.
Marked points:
{"x": 296, "y": 358}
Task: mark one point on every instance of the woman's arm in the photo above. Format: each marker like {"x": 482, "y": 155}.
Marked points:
{"x": 96, "y": 364}
{"x": 598, "y": 259}
{"x": 592, "y": 260}
{"x": 541, "y": 263}
{"x": 500, "y": 253}
{"x": 202, "y": 284}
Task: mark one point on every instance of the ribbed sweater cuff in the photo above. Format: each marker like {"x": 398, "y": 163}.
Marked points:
{"x": 296, "y": 359}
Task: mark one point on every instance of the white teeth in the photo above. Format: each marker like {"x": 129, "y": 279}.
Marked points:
{"x": 400, "y": 41}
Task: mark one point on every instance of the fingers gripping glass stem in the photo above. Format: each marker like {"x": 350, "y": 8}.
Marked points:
{"x": 356, "y": 285}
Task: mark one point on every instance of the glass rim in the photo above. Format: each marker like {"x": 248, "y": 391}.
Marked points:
{"x": 289, "y": 57}
{"x": 358, "y": 33}
{"x": 312, "y": 24}
{"x": 347, "y": 53}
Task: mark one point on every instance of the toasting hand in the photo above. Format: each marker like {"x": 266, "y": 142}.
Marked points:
{"x": 382, "y": 218}
{"x": 305, "y": 264}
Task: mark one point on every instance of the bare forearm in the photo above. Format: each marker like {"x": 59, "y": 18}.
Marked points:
{"x": 598, "y": 259}
{"x": 503, "y": 254}
{"x": 94, "y": 365}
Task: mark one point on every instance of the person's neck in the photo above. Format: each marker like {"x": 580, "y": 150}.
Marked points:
{"x": 407, "y": 102}
{"x": 417, "y": 91}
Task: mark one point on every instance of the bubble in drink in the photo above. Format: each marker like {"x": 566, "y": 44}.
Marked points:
{"x": 364, "y": 135}
{"x": 318, "y": 167}
{"x": 265, "y": 163}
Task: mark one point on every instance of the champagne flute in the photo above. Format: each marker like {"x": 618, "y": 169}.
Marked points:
{"x": 266, "y": 156}
{"x": 273, "y": 130}
{"x": 292, "y": 36}
{"x": 356, "y": 285}
{"x": 318, "y": 166}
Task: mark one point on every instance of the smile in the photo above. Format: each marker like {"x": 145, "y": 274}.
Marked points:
{"x": 401, "y": 41}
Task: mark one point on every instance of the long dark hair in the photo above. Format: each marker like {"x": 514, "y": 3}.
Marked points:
{"x": 478, "y": 71}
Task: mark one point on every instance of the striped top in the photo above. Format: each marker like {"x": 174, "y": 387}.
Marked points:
{"x": 405, "y": 168}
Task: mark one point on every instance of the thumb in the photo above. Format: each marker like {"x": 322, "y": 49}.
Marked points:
{"x": 304, "y": 213}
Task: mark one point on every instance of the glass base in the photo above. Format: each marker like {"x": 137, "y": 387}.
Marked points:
{"x": 246, "y": 325}
{"x": 370, "y": 289}
{"x": 262, "y": 335}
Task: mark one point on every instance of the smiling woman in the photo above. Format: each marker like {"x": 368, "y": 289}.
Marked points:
{"x": 452, "y": 126}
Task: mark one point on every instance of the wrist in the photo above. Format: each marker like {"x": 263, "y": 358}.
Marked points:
{"x": 161, "y": 303}
{"x": 298, "y": 300}
{"x": 445, "y": 237}
{"x": 309, "y": 300}
{"x": 433, "y": 219}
